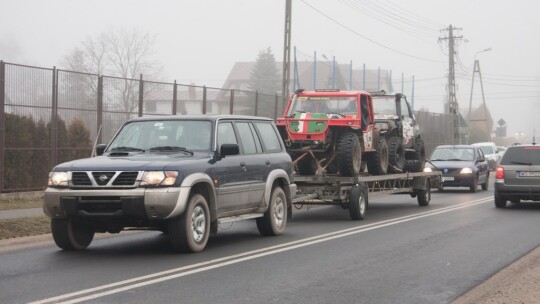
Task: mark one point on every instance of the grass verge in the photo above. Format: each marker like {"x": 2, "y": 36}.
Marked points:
{"x": 27, "y": 226}
{"x": 20, "y": 204}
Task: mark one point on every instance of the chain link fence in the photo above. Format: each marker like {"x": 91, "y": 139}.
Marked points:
{"x": 49, "y": 116}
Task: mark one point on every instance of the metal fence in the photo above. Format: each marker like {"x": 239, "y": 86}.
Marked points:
{"x": 49, "y": 116}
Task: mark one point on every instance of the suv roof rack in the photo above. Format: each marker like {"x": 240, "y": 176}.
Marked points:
{"x": 378, "y": 93}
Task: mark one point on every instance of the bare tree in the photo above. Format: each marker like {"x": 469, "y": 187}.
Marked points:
{"x": 123, "y": 53}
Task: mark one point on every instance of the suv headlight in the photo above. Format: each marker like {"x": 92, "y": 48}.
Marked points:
{"x": 58, "y": 179}
{"x": 428, "y": 169}
{"x": 159, "y": 178}
{"x": 466, "y": 171}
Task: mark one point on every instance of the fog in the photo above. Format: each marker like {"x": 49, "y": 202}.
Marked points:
{"x": 199, "y": 41}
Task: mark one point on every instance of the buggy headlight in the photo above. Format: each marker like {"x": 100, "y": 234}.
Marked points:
{"x": 58, "y": 179}
{"x": 466, "y": 171}
{"x": 159, "y": 178}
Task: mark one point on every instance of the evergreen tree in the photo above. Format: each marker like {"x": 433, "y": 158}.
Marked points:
{"x": 265, "y": 79}
{"x": 264, "y": 75}
{"x": 79, "y": 139}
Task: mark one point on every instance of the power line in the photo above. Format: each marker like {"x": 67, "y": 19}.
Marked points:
{"x": 369, "y": 39}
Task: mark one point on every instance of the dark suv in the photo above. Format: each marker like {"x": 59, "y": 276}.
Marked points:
{"x": 182, "y": 175}
{"x": 518, "y": 175}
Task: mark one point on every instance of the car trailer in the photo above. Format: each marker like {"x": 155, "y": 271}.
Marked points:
{"x": 352, "y": 192}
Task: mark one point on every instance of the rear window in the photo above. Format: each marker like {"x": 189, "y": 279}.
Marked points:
{"x": 487, "y": 150}
{"x": 522, "y": 155}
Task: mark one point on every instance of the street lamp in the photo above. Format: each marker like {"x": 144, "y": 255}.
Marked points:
{"x": 482, "y": 51}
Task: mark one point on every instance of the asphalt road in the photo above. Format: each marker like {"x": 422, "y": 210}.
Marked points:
{"x": 401, "y": 253}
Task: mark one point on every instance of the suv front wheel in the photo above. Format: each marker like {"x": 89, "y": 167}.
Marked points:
{"x": 190, "y": 232}
{"x": 70, "y": 234}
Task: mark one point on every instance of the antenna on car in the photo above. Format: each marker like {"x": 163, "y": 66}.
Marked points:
{"x": 94, "y": 153}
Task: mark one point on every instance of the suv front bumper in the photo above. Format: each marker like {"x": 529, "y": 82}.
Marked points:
{"x": 139, "y": 203}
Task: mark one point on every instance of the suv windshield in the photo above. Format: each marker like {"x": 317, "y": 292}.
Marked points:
{"x": 453, "y": 154}
{"x": 164, "y": 136}
{"x": 527, "y": 155}
{"x": 345, "y": 105}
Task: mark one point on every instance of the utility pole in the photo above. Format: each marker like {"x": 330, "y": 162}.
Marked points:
{"x": 477, "y": 70}
{"x": 452, "y": 106}
{"x": 286, "y": 54}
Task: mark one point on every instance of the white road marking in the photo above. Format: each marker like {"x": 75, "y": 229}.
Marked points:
{"x": 117, "y": 287}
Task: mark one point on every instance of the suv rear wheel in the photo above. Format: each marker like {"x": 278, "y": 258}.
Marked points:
{"x": 275, "y": 218}
{"x": 500, "y": 202}
{"x": 349, "y": 155}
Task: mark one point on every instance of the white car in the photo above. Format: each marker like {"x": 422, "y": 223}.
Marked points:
{"x": 490, "y": 152}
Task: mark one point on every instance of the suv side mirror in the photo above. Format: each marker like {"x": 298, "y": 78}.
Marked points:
{"x": 100, "y": 149}
{"x": 229, "y": 149}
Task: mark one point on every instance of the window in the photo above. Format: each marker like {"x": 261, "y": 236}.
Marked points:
{"x": 524, "y": 154}
{"x": 269, "y": 137}
{"x": 226, "y": 134}
{"x": 246, "y": 136}
{"x": 405, "y": 109}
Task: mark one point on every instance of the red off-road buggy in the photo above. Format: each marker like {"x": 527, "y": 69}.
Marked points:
{"x": 332, "y": 131}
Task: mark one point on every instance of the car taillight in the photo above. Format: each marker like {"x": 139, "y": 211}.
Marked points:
{"x": 499, "y": 173}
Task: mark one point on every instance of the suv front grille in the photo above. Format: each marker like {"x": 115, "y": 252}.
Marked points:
{"x": 126, "y": 179}
{"x": 80, "y": 179}
{"x": 102, "y": 179}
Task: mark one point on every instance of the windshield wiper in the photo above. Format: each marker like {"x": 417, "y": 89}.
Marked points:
{"x": 127, "y": 149}
{"x": 456, "y": 159}
{"x": 521, "y": 163}
{"x": 171, "y": 148}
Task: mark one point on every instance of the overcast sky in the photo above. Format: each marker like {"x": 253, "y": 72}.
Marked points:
{"x": 198, "y": 41}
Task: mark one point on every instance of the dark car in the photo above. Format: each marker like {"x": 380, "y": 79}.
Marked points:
{"x": 518, "y": 175}
{"x": 182, "y": 175}
{"x": 461, "y": 166}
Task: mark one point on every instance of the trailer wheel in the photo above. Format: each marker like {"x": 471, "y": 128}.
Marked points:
{"x": 358, "y": 202}
{"x": 424, "y": 196}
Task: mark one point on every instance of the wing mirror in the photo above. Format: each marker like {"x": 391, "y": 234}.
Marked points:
{"x": 100, "y": 149}
{"x": 229, "y": 149}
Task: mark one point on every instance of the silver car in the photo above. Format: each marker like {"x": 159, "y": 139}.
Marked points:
{"x": 518, "y": 175}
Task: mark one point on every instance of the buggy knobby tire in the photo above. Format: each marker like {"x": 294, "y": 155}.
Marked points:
{"x": 420, "y": 150}
{"x": 190, "y": 231}
{"x": 396, "y": 155}
{"x": 71, "y": 234}
{"x": 413, "y": 165}
{"x": 349, "y": 155}
{"x": 358, "y": 202}
{"x": 275, "y": 218}
{"x": 377, "y": 162}
{"x": 307, "y": 166}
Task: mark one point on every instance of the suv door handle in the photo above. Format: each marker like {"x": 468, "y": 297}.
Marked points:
{"x": 242, "y": 164}
{"x": 267, "y": 162}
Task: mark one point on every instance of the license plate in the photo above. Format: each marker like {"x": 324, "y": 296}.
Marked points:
{"x": 529, "y": 174}
{"x": 447, "y": 178}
